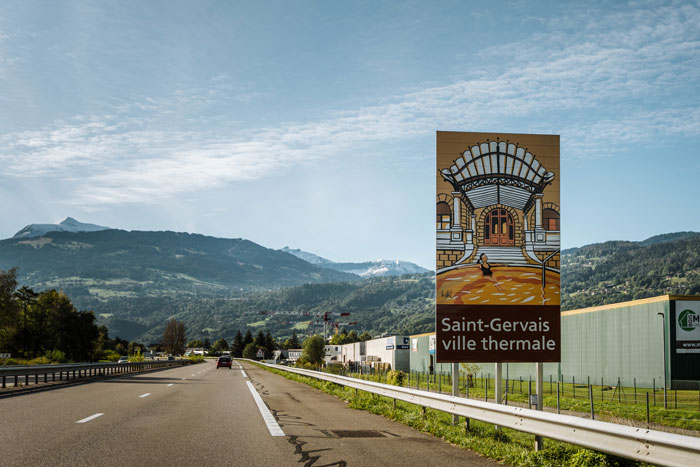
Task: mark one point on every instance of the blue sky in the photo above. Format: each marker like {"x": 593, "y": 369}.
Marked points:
{"x": 312, "y": 124}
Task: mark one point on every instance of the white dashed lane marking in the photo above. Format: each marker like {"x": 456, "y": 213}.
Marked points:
{"x": 145, "y": 395}
{"x": 91, "y": 417}
{"x": 170, "y": 384}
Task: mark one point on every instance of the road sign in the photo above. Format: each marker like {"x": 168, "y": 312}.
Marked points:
{"x": 260, "y": 353}
{"x": 497, "y": 248}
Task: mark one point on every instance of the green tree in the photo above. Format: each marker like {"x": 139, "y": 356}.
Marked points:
{"x": 352, "y": 337}
{"x": 248, "y": 338}
{"x": 207, "y": 343}
{"x": 237, "y": 346}
{"x": 134, "y": 348}
{"x": 260, "y": 339}
{"x": 174, "y": 337}
{"x": 195, "y": 343}
{"x": 294, "y": 341}
{"x": 338, "y": 339}
{"x": 314, "y": 350}
{"x": 220, "y": 345}
{"x": 270, "y": 345}
{"x": 9, "y": 310}
{"x": 365, "y": 336}
{"x": 250, "y": 351}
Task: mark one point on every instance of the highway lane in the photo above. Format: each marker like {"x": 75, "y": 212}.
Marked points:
{"x": 206, "y": 417}
{"x": 198, "y": 415}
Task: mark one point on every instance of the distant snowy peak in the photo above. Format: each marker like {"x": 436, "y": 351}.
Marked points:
{"x": 393, "y": 267}
{"x": 66, "y": 225}
{"x": 306, "y": 256}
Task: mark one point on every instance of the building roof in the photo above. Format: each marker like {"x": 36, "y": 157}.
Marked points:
{"x": 498, "y": 172}
{"x": 612, "y": 306}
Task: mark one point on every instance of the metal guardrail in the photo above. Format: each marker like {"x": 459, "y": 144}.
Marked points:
{"x": 651, "y": 446}
{"x": 11, "y": 375}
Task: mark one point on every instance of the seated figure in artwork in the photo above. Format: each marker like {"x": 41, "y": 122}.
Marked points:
{"x": 486, "y": 271}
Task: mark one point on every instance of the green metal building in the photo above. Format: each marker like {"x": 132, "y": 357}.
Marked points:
{"x": 628, "y": 340}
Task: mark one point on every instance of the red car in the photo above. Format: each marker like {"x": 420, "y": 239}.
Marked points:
{"x": 224, "y": 360}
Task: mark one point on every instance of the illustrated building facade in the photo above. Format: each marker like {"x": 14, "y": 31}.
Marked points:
{"x": 497, "y": 196}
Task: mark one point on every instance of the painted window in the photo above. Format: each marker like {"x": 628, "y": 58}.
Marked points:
{"x": 444, "y": 216}
{"x": 550, "y": 219}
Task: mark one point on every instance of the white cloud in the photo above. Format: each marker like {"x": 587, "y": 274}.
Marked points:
{"x": 630, "y": 76}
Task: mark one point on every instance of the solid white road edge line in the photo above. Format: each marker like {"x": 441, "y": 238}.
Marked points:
{"x": 170, "y": 384}
{"x": 268, "y": 418}
{"x": 145, "y": 395}
{"x": 91, "y": 417}
{"x": 245, "y": 375}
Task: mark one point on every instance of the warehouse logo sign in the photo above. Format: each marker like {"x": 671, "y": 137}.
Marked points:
{"x": 688, "y": 320}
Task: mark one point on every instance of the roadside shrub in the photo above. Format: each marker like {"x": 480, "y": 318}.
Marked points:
{"x": 395, "y": 377}
{"x": 587, "y": 458}
{"x": 39, "y": 361}
{"x": 109, "y": 356}
{"x": 196, "y": 358}
{"x": 56, "y": 356}
{"x": 301, "y": 363}
{"x": 137, "y": 357}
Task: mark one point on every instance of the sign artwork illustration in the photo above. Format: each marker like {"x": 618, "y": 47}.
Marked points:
{"x": 498, "y": 243}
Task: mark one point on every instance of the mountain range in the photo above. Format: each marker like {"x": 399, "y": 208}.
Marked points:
{"x": 135, "y": 281}
{"x": 66, "y": 225}
{"x": 391, "y": 267}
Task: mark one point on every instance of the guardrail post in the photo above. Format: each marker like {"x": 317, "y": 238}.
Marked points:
{"x": 26, "y": 380}
{"x": 3, "y": 382}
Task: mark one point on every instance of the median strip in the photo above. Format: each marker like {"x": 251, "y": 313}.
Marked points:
{"x": 91, "y": 417}
{"x": 268, "y": 418}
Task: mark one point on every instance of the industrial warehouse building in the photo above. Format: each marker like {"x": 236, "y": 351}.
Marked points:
{"x": 626, "y": 341}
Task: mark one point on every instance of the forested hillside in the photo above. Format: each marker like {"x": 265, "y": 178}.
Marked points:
{"x": 387, "y": 304}
{"x": 136, "y": 281}
{"x": 618, "y": 271}
{"x": 116, "y": 263}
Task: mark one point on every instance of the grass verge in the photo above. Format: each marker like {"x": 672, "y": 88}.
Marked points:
{"x": 508, "y": 446}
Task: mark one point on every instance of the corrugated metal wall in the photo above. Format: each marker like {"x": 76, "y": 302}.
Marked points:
{"x": 608, "y": 342}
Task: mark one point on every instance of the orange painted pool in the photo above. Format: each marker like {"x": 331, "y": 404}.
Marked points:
{"x": 509, "y": 285}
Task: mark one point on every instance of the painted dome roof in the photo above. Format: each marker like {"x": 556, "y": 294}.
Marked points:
{"x": 498, "y": 172}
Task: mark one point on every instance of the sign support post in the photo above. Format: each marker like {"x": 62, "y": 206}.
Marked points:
{"x": 499, "y": 382}
{"x": 539, "y": 387}
{"x": 455, "y": 389}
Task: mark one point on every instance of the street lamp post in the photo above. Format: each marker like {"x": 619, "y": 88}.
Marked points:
{"x": 663, "y": 327}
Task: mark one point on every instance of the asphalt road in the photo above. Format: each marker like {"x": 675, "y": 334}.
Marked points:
{"x": 199, "y": 415}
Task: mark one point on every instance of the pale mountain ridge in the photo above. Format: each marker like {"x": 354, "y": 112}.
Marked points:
{"x": 377, "y": 268}
{"x": 66, "y": 225}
